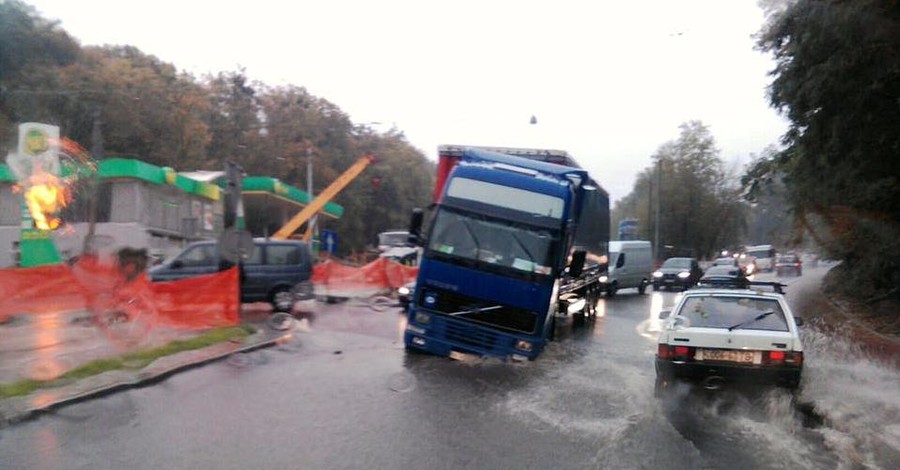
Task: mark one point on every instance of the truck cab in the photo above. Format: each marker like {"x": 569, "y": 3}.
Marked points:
{"x": 496, "y": 257}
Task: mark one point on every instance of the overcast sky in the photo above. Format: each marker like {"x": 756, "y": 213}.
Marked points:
{"x": 607, "y": 81}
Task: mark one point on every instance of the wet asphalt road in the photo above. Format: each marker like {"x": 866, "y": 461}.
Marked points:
{"x": 343, "y": 394}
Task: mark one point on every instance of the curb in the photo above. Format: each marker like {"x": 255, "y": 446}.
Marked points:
{"x": 17, "y": 409}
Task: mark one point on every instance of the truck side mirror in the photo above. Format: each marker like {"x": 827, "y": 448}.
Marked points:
{"x": 577, "y": 264}
{"x": 415, "y": 227}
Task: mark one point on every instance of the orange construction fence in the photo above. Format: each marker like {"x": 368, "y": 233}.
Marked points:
{"x": 334, "y": 279}
{"x": 102, "y": 286}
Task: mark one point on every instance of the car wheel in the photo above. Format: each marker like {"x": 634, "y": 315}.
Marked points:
{"x": 655, "y": 286}
{"x": 642, "y": 288}
{"x": 611, "y": 290}
{"x": 282, "y": 299}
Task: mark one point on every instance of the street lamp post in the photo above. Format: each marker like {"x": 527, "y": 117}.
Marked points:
{"x": 658, "y": 200}
{"x": 309, "y": 182}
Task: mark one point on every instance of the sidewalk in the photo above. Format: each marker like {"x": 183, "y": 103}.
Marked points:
{"x": 43, "y": 347}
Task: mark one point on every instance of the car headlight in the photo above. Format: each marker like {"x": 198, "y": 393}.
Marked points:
{"x": 657, "y": 274}
{"x": 603, "y": 279}
{"x": 403, "y": 290}
{"x": 684, "y": 275}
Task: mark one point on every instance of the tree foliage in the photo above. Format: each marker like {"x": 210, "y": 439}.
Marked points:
{"x": 837, "y": 79}
{"x": 699, "y": 208}
{"x": 147, "y": 110}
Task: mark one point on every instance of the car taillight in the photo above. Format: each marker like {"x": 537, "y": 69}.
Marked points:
{"x": 664, "y": 351}
{"x": 776, "y": 356}
{"x": 794, "y": 358}
{"x": 678, "y": 353}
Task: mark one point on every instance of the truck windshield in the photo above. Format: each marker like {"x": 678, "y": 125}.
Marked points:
{"x": 493, "y": 242}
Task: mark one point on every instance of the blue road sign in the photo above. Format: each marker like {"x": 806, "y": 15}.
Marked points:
{"x": 329, "y": 241}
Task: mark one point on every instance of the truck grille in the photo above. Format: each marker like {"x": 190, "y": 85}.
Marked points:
{"x": 463, "y": 332}
{"x": 504, "y": 318}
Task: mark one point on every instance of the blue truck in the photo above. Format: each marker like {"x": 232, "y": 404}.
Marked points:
{"x": 515, "y": 239}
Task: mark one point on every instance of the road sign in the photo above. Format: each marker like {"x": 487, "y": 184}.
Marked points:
{"x": 329, "y": 241}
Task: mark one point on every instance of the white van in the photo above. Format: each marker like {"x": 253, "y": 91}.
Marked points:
{"x": 764, "y": 255}
{"x": 630, "y": 266}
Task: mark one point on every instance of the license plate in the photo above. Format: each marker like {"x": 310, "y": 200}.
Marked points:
{"x": 464, "y": 357}
{"x": 729, "y": 355}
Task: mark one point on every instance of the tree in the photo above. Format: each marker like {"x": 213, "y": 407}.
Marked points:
{"x": 837, "y": 79}
{"x": 29, "y": 45}
{"x": 147, "y": 110}
{"x": 700, "y": 211}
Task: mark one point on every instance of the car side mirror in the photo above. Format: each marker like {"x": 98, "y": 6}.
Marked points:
{"x": 415, "y": 227}
{"x": 577, "y": 264}
{"x": 663, "y": 314}
{"x": 798, "y": 321}
{"x": 177, "y": 264}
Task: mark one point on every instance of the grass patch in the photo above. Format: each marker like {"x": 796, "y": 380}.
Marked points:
{"x": 134, "y": 360}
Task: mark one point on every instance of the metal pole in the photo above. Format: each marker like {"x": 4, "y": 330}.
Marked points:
{"x": 309, "y": 182}
{"x": 658, "y": 199}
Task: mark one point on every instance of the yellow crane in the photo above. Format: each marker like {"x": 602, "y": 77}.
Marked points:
{"x": 319, "y": 202}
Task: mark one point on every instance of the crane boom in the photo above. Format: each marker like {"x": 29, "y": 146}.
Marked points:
{"x": 319, "y": 202}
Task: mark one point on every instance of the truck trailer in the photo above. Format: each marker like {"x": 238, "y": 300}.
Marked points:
{"x": 515, "y": 239}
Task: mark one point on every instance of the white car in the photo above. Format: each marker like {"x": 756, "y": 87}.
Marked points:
{"x": 726, "y": 334}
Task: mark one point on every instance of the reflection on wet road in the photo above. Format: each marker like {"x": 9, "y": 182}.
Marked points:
{"x": 344, "y": 394}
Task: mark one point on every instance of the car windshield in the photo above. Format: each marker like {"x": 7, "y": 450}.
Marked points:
{"x": 676, "y": 263}
{"x": 491, "y": 242}
{"x": 393, "y": 238}
{"x": 715, "y": 311}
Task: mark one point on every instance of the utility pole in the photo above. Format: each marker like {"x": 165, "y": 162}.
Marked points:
{"x": 309, "y": 185}
{"x": 658, "y": 200}
{"x": 93, "y": 183}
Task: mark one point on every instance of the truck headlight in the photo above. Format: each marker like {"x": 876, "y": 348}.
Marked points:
{"x": 423, "y": 318}
{"x": 603, "y": 279}
{"x": 684, "y": 275}
{"x": 403, "y": 290}
{"x": 523, "y": 345}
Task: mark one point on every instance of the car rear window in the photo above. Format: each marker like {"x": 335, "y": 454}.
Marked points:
{"x": 728, "y": 311}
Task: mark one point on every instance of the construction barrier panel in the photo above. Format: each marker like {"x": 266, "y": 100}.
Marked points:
{"x": 378, "y": 277}
{"x": 104, "y": 288}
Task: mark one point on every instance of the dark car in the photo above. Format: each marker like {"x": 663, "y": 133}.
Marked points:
{"x": 788, "y": 264}
{"x": 276, "y": 271}
{"x": 726, "y": 261}
{"x": 723, "y": 275}
{"x": 679, "y": 273}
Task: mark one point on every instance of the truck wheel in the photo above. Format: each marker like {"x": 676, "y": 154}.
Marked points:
{"x": 642, "y": 288}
